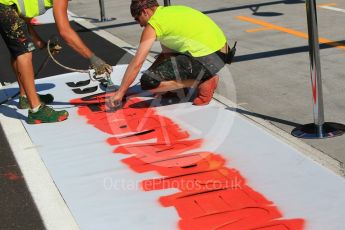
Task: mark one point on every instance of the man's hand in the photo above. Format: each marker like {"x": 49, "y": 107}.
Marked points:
{"x": 54, "y": 48}
{"x": 115, "y": 101}
{"x": 99, "y": 65}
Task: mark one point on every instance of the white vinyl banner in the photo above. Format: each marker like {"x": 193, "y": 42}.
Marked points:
{"x": 161, "y": 163}
{"x": 48, "y": 18}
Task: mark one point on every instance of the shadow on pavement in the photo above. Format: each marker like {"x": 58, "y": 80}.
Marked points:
{"x": 12, "y": 113}
{"x": 251, "y": 7}
{"x": 286, "y": 51}
{"x": 265, "y": 117}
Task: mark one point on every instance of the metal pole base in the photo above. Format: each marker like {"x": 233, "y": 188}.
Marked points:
{"x": 310, "y": 131}
{"x": 104, "y": 20}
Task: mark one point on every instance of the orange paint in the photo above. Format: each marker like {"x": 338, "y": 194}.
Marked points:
{"x": 329, "y": 4}
{"x": 211, "y": 195}
{"x": 289, "y": 31}
{"x": 314, "y": 89}
{"x": 12, "y": 176}
{"x": 34, "y": 21}
{"x": 258, "y": 29}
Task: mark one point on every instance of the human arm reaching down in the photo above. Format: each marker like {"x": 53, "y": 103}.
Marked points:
{"x": 73, "y": 40}
{"x": 146, "y": 41}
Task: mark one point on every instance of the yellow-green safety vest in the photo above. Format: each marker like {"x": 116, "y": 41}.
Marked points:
{"x": 29, "y": 8}
{"x": 187, "y": 30}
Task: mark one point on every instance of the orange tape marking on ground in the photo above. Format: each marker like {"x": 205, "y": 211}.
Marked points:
{"x": 258, "y": 29}
{"x": 210, "y": 194}
{"x": 329, "y": 4}
{"x": 289, "y": 31}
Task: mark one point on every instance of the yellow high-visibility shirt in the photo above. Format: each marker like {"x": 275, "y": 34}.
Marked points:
{"x": 29, "y": 8}
{"x": 187, "y": 30}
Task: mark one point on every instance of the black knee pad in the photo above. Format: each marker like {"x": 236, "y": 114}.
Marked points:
{"x": 147, "y": 82}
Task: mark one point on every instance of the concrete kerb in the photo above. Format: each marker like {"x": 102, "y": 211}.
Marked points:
{"x": 312, "y": 153}
{"x": 50, "y": 204}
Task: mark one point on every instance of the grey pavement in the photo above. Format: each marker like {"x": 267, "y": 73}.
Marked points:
{"x": 18, "y": 210}
{"x": 271, "y": 74}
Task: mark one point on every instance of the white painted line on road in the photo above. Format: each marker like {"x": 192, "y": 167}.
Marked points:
{"x": 51, "y": 206}
{"x": 333, "y": 8}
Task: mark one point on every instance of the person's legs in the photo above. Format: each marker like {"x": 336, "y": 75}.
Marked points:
{"x": 15, "y": 70}
{"x": 206, "y": 90}
{"x": 166, "y": 86}
{"x": 25, "y": 74}
{"x": 42, "y": 113}
{"x": 212, "y": 64}
{"x": 13, "y": 30}
{"x": 23, "y": 98}
{"x": 183, "y": 71}
{"x": 15, "y": 33}
{"x": 170, "y": 73}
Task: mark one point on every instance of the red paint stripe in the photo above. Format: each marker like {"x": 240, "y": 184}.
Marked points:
{"x": 313, "y": 79}
{"x": 12, "y": 176}
{"x": 34, "y": 21}
{"x": 211, "y": 195}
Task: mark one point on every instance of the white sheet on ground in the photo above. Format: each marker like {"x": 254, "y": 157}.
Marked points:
{"x": 86, "y": 171}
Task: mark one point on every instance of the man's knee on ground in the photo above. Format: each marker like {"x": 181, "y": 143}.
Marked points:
{"x": 147, "y": 82}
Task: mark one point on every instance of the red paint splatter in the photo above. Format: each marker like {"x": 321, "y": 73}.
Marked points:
{"x": 314, "y": 90}
{"x": 12, "y": 176}
{"x": 211, "y": 195}
{"x": 34, "y": 21}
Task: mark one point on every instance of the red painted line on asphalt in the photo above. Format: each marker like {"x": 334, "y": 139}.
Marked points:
{"x": 13, "y": 176}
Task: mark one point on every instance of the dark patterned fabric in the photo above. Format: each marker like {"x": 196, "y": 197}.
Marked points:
{"x": 14, "y": 31}
{"x": 176, "y": 66}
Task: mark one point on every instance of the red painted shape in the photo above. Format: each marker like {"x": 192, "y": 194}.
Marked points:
{"x": 62, "y": 118}
{"x": 211, "y": 195}
{"x": 203, "y": 181}
{"x": 282, "y": 225}
{"x": 244, "y": 218}
{"x": 313, "y": 80}
{"x": 12, "y": 176}
{"x": 158, "y": 151}
{"x": 177, "y": 165}
{"x": 34, "y": 21}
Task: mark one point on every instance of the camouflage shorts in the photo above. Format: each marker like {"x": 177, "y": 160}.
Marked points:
{"x": 175, "y": 66}
{"x": 14, "y": 31}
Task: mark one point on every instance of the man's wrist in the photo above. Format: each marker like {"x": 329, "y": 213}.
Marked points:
{"x": 121, "y": 92}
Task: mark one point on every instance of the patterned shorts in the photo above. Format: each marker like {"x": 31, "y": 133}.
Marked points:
{"x": 176, "y": 66}
{"x": 14, "y": 31}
